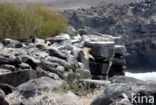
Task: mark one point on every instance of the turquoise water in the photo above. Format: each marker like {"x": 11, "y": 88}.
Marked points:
{"x": 143, "y": 76}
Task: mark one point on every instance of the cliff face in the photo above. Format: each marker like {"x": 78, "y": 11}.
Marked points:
{"x": 135, "y": 22}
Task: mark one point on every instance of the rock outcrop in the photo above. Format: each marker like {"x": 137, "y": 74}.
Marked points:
{"x": 31, "y": 68}
{"x": 106, "y": 53}
{"x": 135, "y": 22}
{"x": 62, "y": 55}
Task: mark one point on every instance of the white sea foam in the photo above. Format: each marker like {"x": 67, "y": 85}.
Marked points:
{"x": 143, "y": 76}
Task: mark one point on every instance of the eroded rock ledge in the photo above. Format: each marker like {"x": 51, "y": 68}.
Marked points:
{"x": 39, "y": 64}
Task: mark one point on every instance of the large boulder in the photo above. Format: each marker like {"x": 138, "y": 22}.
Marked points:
{"x": 36, "y": 86}
{"x": 128, "y": 90}
{"x": 12, "y": 61}
{"x": 19, "y": 77}
{"x": 101, "y": 49}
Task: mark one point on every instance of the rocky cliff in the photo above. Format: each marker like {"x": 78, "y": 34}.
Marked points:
{"x": 135, "y": 22}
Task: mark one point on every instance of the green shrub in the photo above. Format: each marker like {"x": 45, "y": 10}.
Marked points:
{"x": 21, "y": 22}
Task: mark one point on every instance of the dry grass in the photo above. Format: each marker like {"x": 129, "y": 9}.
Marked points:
{"x": 30, "y": 20}
{"x": 47, "y": 98}
{"x": 87, "y": 100}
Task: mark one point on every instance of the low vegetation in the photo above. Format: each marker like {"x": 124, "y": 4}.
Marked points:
{"x": 30, "y": 20}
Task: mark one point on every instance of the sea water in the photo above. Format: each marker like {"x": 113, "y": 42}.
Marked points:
{"x": 143, "y": 76}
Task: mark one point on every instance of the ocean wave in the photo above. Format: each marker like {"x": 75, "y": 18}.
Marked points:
{"x": 142, "y": 76}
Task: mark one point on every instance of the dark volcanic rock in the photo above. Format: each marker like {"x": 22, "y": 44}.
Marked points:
{"x": 124, "y": 89}
{"x": 19, "y": 77}
{"x": 8, "y": 67}
{"x": 119, "y": 61}
{"x": 101, "y": 49}
{"x": 99, "y": 68}
{"x": 49, "y": 66}
{"x": 6, "y": 88}
{"x": 33, "y": 62}
{"x": 36, "y": 86}
{"x": 60, "y": 61}
{"x": 56, "y": 53}
{"x": 118, "y": 71}
{"x": 2, "y": 100}
{"x": 11, "y": 61}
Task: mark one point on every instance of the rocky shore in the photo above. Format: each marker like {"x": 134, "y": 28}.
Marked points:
{"x": 61, "y": 69}
{"x": 29, "y": 69}
{"x": 134, "y": 22}
{"x": 35, "y": 72}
